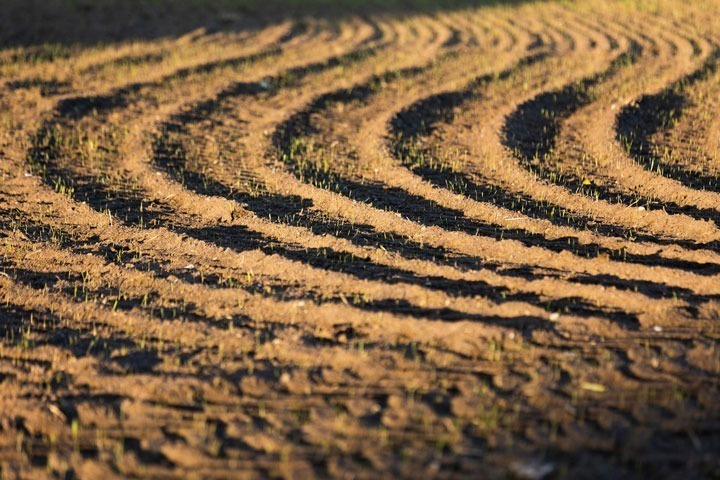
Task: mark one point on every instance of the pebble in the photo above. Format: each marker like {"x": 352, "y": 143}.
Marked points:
{"x": 531, "y": 469}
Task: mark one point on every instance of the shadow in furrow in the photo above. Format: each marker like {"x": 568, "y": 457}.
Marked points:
{"x": 363, "y": 268}
{"x": 47, "y": 87}
{"x": 46, "y": 157}
{"x": 297, "y": 211}
{"x": 294, "y": 211}
{"x": 653, "y": 114}
{"x": 342, "y": 262}
{"x": 289, "y": 139}
{"x": 377, "y": 34}
{"x": 463, "y": 184}
{"x": 127, "y": 256}
{"x": 650, "y": 289}
{"x": 298, "y": 28}
{"x": 73, "y": 285}
{"x": 454, "y": 40}
{"x": 170, "y": 157}
{"x": 532, "y": 129}
{"x": 126, "y": 61}
{"x": 240, "y": 239}
{"x": 130, "y": 207}
{"x": 423, "y": 117}
{"x": 35, "y": 328}
{"x": 78, "y": 107}
{"x": 46, "y": 153}
{"x": 173, "y": 162}
{"x": 270, "y": 86}
{"x": 525, "y": 323}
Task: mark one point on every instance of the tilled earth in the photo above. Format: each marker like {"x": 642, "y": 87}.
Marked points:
{"x": 471, "y": 242}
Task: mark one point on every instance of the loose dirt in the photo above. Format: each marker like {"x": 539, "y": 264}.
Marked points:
{"x": 478, "y": 241}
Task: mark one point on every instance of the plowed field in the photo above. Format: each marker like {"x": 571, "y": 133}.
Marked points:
{"x": 351, "y": 240}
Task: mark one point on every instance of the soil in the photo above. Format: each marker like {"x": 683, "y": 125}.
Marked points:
{"x": 360, "y": 241}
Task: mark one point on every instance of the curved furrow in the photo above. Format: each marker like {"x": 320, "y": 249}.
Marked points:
{"x": 153, "y": 246}
{"x": 377, "y": 29}
{"x": 181, "y": 58}
{"x": 78, "y": 108}
{"x": 649, "y": 258}
{"x": 601, "y": 169}
{"x": 689, "y": 139}
{"x": 87, "y": 105}
{"x": 283, "y": 41}
{"x": 118, "y": 98}
{"x": 214, "y": 299}
{"x": 320, "y": 102}
{"x": 412, "y": 127}
{"x": 425, "y": 158}
{"x": 286, "y": 44}
{"x": 701, "y": 266}
{"x": 621, "y": 253}
{"x": 143, "y": 59}
{"x": 47, "y": 140}
{"x": 530, "y": 130}
{"x": 276, "y": 85}
{"x": 423, "y": 117}
{"x": 114, "y": 285}
{"x": 276, "y": 208}
{"x": 264, "y": 100}
{"x": 440, "y": 285}
{"x": 469, "y": 30}
{"x": 115, "y": 208}
{"x": 180, "y": 167}
{"x": 276, "y": 97}
{"x": 224, "y": 307}
{"x": 267, "y": 266}
{"x": 139, "y": 53}
{"x": 302, "y": 245}
{"x": 262, "y": 203}
{"x": 355, "y": 187}
{"x": 297, "y": 125}
{"x": 642, "y": 124}
{"x": 188, "y": 55}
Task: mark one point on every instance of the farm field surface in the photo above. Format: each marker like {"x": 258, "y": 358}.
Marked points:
{"x": 404, "y": 239}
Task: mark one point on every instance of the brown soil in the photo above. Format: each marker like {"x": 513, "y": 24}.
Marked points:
{"x": 400, "y": 241}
